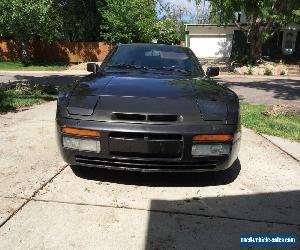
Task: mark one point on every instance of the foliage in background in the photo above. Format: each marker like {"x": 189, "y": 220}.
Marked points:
{"x": 167, "y": 31}
{"x": 170, "y": 26}
{"x": 21, "y": 95}
{"x": 128, "y": 21}
{"x": 203, "y": 14}
{"x": 281, "y": 125}
{"x": 296, "y": 15}
{"x": 68, "y": 20}
{"x": 90, "y": 20}
{"x": 81, "y": 19}
{"x": 264, "y": 18}
{"x": 28, "y": 19}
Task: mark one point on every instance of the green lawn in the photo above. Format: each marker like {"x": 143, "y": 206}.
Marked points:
{"x": 278, "y": 125}
{"x": 19, "y": 66}
{"x": 23, "y": 95}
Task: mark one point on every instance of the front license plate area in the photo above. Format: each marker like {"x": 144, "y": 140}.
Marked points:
{"x": 143, "y": 147}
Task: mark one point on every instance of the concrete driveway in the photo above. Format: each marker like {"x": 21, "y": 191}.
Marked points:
{"x": 44, "y": 204}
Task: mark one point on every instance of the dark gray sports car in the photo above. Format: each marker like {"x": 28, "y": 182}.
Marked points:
{"x": 149, "y": 107}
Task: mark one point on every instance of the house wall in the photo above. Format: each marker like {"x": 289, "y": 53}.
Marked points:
{"x": 54, "y": 51}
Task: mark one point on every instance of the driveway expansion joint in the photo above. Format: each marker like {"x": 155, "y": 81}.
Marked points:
{"x": 277, "y": 146}
{"x": 27, "y": 200}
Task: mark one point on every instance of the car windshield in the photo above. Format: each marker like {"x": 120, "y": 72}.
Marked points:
{"x": 153, "y": 57}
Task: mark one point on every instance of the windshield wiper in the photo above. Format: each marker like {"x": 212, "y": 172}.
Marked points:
{"x": 173, "y": 69}
{"x": 125, "y": 66}
{"x": 132, "y": 66}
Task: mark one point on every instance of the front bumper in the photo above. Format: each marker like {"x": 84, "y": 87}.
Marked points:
{"x": 112, "y": 157}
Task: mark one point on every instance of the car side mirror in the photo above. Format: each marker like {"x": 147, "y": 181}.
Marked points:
{"x": 92, "y": 67}
{"x": 212, "y": 71}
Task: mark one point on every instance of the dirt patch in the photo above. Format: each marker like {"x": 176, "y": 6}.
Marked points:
{"x": 284, "y": 109}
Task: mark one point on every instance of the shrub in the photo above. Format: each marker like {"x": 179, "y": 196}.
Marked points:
{"x": 249, "y": 70}
{"x": 268, "y": 72}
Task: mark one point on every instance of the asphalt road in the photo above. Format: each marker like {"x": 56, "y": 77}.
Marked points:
{"x": 268, "y": 90}
{"x": 263, "y": 90}
{"x": 42, "y": 77}
{"x": 44, "y": 204}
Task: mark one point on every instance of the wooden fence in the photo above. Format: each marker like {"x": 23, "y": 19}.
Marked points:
{"x": 54, "y": 51}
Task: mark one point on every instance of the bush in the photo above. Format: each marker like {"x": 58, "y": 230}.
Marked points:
{"x": 249, "y": 70}
{"x": 282, "y": 72}
{"x": 20, "y": 95}
{"x": 268, "y": 72}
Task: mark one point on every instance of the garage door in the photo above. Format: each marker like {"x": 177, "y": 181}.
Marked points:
{"x": 211, "y": 45}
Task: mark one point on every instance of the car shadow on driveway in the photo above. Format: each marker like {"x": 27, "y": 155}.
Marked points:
{"x": 160, "y": 179}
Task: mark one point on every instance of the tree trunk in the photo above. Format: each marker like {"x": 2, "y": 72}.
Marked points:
{"x": 255, "y": 38}
{"x": 256, "y": 43}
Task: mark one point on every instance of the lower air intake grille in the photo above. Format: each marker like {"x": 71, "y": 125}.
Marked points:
{"x": 162, "y": 118}
{"x": 144, "y": 165}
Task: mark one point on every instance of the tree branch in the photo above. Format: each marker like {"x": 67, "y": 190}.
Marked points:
{"x": 277, "y": 7}
{"x": 239, "y": 26}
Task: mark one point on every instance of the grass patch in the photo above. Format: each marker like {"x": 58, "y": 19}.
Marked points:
{"x": 19, "y": 66}
{"x": 281, "y": 125}
{"x": 23, "y": 95}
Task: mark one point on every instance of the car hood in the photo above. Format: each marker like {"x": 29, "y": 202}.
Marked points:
{"x": 100, "y": 97}
{"x": 153, "y": 87}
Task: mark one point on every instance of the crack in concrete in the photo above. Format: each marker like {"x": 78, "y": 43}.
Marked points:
{"x": 27, "y": 200}
{"x": 159, "y": 211}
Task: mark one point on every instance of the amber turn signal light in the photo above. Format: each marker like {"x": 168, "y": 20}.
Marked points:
{"x": 82, "y": 132}
{"x": 222, "y": 137}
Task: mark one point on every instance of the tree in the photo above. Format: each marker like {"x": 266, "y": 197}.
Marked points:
{"x": 28, "y": 19}
{"x": 264, "y": 18}
{"x": 170, "y": 28}
{"x": 129, "y": 21}
{"x": 167, "y": 31}
{"x": 81, "y": 19}
{"x": 202, "y": 13}
{"x": 175, "y": 11}
{"x": 296, "y": 15}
